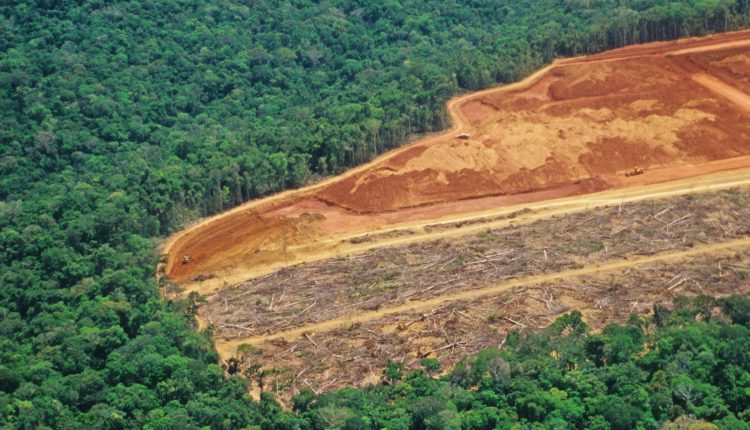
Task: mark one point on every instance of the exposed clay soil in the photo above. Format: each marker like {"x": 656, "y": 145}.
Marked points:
{"x": 674, "y": 109}
{"x": 730, "y": 66}
{"x": 580, "y": 122}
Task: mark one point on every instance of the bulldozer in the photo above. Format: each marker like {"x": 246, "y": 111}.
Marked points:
{"x": 635, "y": 172}
{"x": 186, "y": 259}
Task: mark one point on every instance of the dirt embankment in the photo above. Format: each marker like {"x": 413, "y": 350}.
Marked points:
{"x": 674, "y": 109}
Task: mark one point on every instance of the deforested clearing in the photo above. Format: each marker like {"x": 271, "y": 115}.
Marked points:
{"x": 636, "y": 116}
{"x": 339, "y": 319}
{"x": 608, "y": 184}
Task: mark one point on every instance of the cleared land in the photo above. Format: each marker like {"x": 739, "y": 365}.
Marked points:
{"x": 677, "y": 110}
{"x": 355, "y": 354}
{"x": 336, "y": 320}
{"x": 411, "y": 274}
{"x": 523, "y": 210}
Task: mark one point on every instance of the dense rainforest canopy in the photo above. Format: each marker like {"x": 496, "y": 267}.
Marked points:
{"x": 121, "y": 120}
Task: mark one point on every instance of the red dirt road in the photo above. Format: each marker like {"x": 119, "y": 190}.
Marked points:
{"x": 677, "y": 109}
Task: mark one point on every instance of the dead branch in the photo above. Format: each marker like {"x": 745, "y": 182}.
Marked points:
{"x": 514, "y": 322}
{"x": 307, "y": 336}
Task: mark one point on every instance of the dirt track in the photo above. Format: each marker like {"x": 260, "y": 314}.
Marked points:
{"x": 570, "y": 129}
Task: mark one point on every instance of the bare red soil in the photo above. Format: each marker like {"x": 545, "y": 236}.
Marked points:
{"x": 675, "y": 109}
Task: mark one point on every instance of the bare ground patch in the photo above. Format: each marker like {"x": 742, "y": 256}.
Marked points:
{"x": 379, "y": 280}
